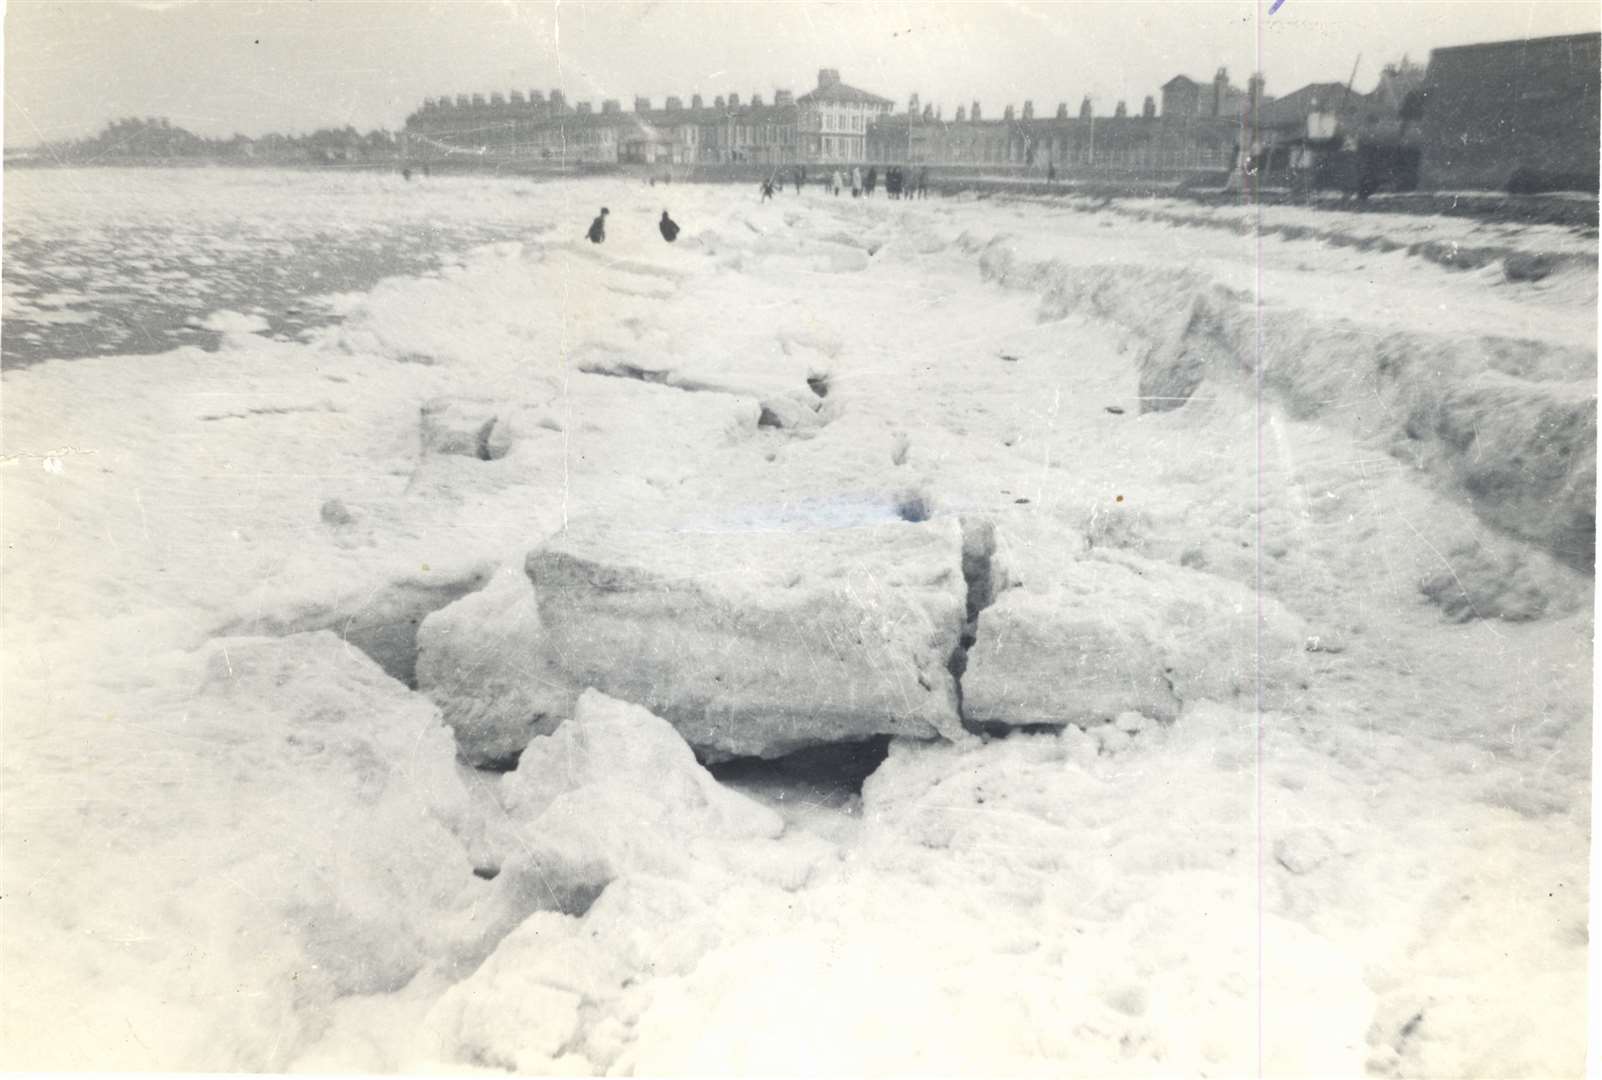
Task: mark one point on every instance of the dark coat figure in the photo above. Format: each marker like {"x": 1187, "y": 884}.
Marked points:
{"x": 800, "y": 178}
{"x": 892, "y": 181}
{"x": 870, "y": 181}
{"x": 669, "y": 227}
{"x": 923, "y": 183}
{"x": 597, "y": 233}
{"x": 767, "y": 189}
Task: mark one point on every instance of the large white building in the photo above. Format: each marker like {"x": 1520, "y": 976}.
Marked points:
{"x": 834, "y": 119}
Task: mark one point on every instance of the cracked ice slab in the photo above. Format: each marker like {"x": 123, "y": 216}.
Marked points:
{"x": 754, "y": 634}
{"x": 1081, "y": 639}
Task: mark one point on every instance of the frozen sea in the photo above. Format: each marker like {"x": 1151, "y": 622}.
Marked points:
{"x": 400, "y": 669}
{"x": 106, "y": 261}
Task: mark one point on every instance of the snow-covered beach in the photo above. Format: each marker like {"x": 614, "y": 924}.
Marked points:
{"x": 382, "y": 695}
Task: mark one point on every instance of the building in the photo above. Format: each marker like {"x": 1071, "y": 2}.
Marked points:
{"x": 827, "y": 125}
{"x": 1082, "y": 143}
{"x": 1181, "y": 98}
{"x": 834, "y": 119}
{"x": 530, "y": 126}
{"x": 1508, "y": 113}
{"x": 1288, "y": 115}
{"x": 1185, "y": 98}
{"x": 1397, "y": 83}
{"x": 1512, "y": 115}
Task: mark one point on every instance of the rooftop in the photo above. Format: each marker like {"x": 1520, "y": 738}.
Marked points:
{"x": 832, "y": 91}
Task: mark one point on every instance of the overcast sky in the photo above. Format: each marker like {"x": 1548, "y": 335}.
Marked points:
{"x": 295, "y": 65}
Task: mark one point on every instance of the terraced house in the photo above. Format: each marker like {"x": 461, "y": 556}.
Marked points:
{"x": 830, "y": 124}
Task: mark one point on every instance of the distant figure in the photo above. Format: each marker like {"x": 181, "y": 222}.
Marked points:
{"x": 669, "y": 227}
{"x": 800, "y": 178}
{"x": 856, "y": 182}
{"x": 597, "y": 233}
{"x": 923, "y": 183}
{"x": 653, "y": 181}
{"x": 836, "y": 182}
{"x": 893, "y": 181}
{"x": 406, "y": 174}
{"x": 1051, "y": 173}
{"x": 870, "y": 181}
{"x": 767, "y": 189}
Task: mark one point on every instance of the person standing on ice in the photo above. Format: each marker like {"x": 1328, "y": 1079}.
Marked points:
{"x": 856, "y": 182}
{"x": 870, "y": 182}
{"x": 800, "y": 178}
{"x": 767, "y": 189}
{"x": 836, "y": 182}
{"x": 597, "y": 233}
{"x": 669, "y": 227}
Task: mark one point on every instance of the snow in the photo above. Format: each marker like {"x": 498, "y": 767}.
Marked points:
{"x": 245, "y": 822}
{"x": 235, "y": 837}
{"x": 234, "y": 322}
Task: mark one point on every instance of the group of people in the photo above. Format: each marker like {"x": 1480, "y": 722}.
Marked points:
{"x": 897, "y": 184}
{"x": 597, "y": 234}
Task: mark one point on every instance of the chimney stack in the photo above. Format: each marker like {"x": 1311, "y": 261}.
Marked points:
{"x": 1148, "y": 111}
{"x": 583, "y": 108}
{"x": 1029, "y": 110}
{"x": 962, "y": 114}
{"x": 1120, "y": 110}
{"x": 642, "y": 104}
{"x": 828, "y": 77}
{"x": 673, "y": 104}
{"x": 756, "y": 101}
{"x": 1085, "y": 112}
{"x": 695, "y": 101}
{"x": 1062, "y": 110}
{"x": 1007, "y": 113}
{"x": 783, "y": 97}
{"x": 973, "y": 112}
